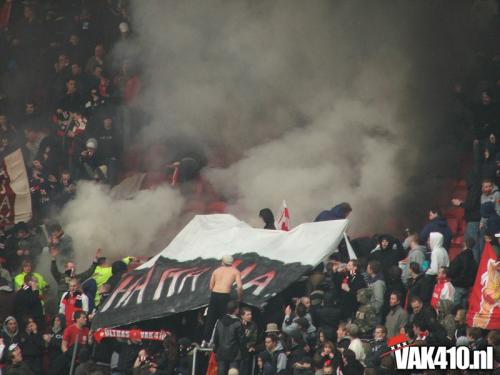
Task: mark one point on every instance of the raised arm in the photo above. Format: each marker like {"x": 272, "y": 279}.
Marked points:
{"x": 239, "y": 285}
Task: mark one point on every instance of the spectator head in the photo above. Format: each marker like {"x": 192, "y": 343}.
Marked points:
{"x": 29, "y": 12}
{"x": 55, "y": 229}
{"x": 97, "y": 72}
{"x": 395, "y": 299}
{"x": 328, "y": 368}
{"x": 353, "y": 330}
{"x": 419, "y": 326}
{"x": 62, "y": 60}
{"x": 80, "y": 318}
{"x": 70, "y": 86}
{"x": 487, "y": 186}
{"x": 341, "y": 330}
{"x": 232, "y": 308}
{"x": 469, "y": 243}
{"x": 460, "y": 316}
{"x": 442, "y": 273}
{"x": 414, "y": 240}
{"x": 74, "y": 39}
{"x": 380, "y": 333}
{"x": 306, "y": 301}
{"x": 73, "y": 285}
{"x": 485, "y": 97}
{"x": 227, "y": 260}
{"x": 29, "y": 107}
{"x": 416, "y": 304}
{"x": 233, "y": 371}
{"x": 21, "y": 230}
{"x": 14, "y": 354}
{"x": 352, "y": 266}
{"x": 246, "y": 314}
{"x": 384, "y": 242}
{"x": 474, "y": 333}
{"x": 267, "y": 216}
{"x": 27, "y": 266}
{"x": 300, "y": 310}
{"x": 493, "y": 338}
{"x": 76, "y": 69}
{"x": 348, "y": 356}
{"x": 30, "y": 281}
{"x": 69, "y": 267}
{"x": 99, "y": 51}
{"x": 108, "y": 122}
{"x": 373, "y": 268}
{"x": 345, "y": 209}
{"x": 270, "y": 342}
{"x": 434, "y": 213}
{"x": 30, "y": 325}
{"x": 415, "y": 269}
{"x": 328, "y": 347}
{"x": 394, "y": 273}
{"x": 11, "y": 325}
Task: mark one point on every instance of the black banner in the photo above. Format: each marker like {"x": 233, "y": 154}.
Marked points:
{"x": 171, "y": 287}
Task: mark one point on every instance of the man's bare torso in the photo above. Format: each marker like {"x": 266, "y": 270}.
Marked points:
{"x": 223, "y": 279}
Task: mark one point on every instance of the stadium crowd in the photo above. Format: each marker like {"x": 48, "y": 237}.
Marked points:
{"x": 63, "y": 101}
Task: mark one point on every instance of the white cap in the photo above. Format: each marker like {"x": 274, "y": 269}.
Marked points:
{"x": 227, "y": 260}
{"x": 91, "y": 143}
{"x": 123, "y": 26}
{"x": 497, "y": 235}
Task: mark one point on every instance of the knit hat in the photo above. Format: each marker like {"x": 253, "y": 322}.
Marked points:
{"x": 227, "y": 260}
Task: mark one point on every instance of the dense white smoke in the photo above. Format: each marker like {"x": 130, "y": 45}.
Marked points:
{"x": 301, "y": 98}
{"x": 119, "y": 227}
{"x": 315, "y": 102}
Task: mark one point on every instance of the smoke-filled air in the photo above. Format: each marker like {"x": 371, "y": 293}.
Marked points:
{"x": 313, "y": 102}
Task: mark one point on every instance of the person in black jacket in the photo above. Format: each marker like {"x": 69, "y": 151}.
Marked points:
{"x": 28, "y": 302}
{"x": 437, "y": 223}
{"x": 418, "y": 286}
{"x": 388, "y": 252}
{"x": 462, "y": 272}
{"x": 33, "y": 346}
{"x": 347, "y": 281}
{"x": 351, "y": 365}
{"x": 268, "y": 218}
{"x": 228, "y": 339}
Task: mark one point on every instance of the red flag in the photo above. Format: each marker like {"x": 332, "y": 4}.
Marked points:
{"x": 283, "y": 222}
{"x": 484, "y": 306}
{"x": 15, "y": 193}
{"x": 212, "y": 365}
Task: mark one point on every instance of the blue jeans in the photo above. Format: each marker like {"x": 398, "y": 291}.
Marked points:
{"x": 472, "y": 231}
{"x": 461, "y": 295}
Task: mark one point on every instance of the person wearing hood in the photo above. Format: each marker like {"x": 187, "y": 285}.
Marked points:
{"x": 492, "y": 225}
{"x": 10, "y": 331}
{"x": 416, "y": 254}
{"x": 439, "y": 255}
{"x": 118, "y": 269}
{"x": 268, "y": 218}
{"x": 388, "y": 252}
{"x": 228, "y": 340}
{"x": 446, "y": 318}
{"x": 273, "y": 357}
{"x": 489, "y": 193}
{"x": 437, "y": 223}
{"x": 339, "y": 212}
{"x": 462, "y": 272}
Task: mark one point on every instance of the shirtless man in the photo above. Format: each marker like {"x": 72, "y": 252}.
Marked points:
{"x": 221, "y": 283}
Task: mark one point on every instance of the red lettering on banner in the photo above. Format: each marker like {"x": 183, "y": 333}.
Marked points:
{"x": 121, "y": 289}
{"x": 247, "y": 270}
{"x": 195, "y": 274}
{"x": 260, "y": 282}
{"x": 137, "y": 288}
{"x": 164, "y": 276}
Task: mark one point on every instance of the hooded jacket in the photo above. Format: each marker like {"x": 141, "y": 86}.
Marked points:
{"x": 228, "y": 338}
{"x": 391, "y": 255}
{"x": 463, "y": 269}
{"x": 439, "y": 225}
{"x": 338, "y": 212}
{"x": 439, "y": 256}
{"x": 494, "y": 197}
{"x": 9, "y": 339}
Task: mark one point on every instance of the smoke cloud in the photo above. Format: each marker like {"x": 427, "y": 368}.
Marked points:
{"x": 119, "y": 227}
{"x": 315, "y": 102}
